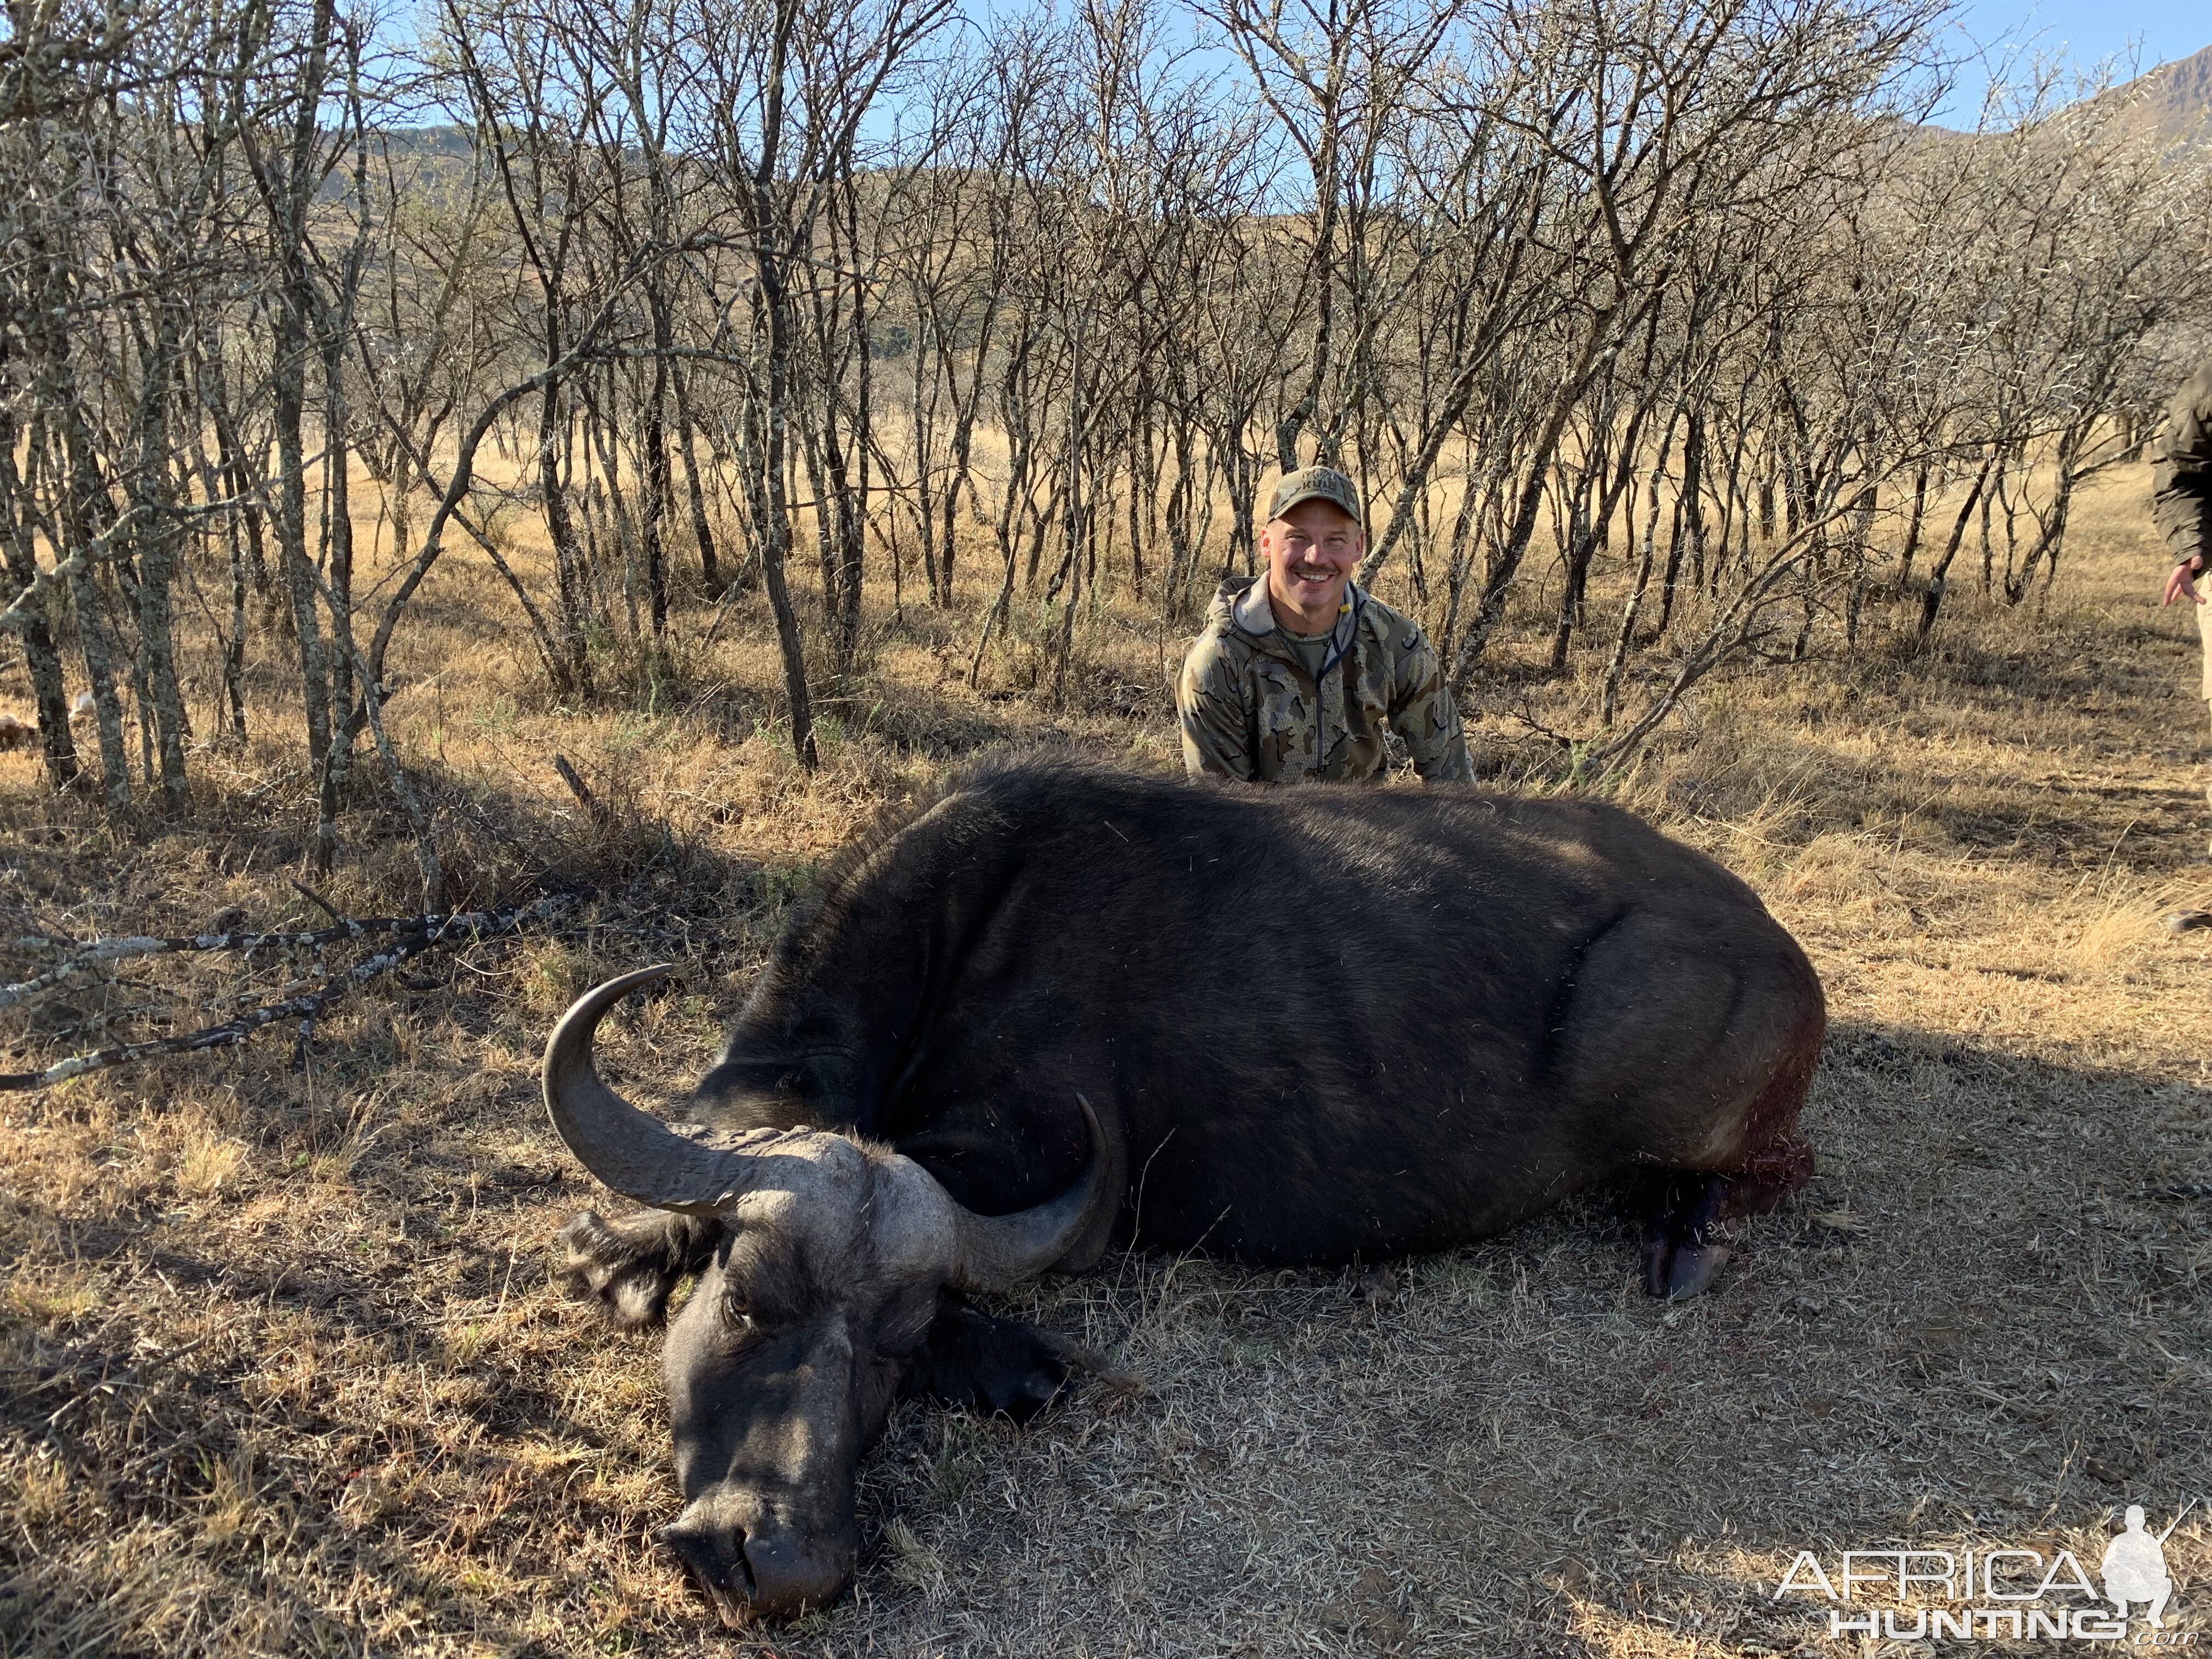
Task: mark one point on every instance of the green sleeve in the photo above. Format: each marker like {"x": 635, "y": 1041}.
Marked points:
{"x": 1425, "y": 717}
{"x": 1210, "y": 704}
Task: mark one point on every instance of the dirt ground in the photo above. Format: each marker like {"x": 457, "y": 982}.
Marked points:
{"x": 282, "y": 1372}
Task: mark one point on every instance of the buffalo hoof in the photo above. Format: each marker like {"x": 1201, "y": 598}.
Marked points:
{"x": 994, "y": 1366}
{"x": 1684, "y": 1248}
{"x": 1693, "y": 1267}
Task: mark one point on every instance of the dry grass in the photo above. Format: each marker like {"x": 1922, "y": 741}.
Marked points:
{"x": 281, "y": 1372}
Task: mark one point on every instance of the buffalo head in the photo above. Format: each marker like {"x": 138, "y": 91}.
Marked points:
{"x": 819, "y": 1259}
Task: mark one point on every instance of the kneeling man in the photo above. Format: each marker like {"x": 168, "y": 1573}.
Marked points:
{"x": 1298, "y": 670}
{"x": 2135, "y": 1569}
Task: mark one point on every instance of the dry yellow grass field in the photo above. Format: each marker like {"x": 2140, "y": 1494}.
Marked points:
{"x": 281, "y": 1371}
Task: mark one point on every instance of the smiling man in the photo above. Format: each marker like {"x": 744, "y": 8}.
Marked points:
{"x": 1298, "y": 670}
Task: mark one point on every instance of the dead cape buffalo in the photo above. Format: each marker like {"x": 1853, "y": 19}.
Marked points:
{"x": 1063, "y": 1007}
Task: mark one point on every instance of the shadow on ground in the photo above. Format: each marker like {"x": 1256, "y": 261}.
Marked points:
{"x": 1985, "y": 1322}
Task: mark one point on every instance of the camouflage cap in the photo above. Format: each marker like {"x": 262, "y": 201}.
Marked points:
{"x": 1312, "y": 484}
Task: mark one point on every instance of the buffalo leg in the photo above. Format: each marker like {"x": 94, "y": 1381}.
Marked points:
{"x": 1683, "y": 1245}
{"x": 1778, "y": 1167}
{"x": 987, "y": 1365}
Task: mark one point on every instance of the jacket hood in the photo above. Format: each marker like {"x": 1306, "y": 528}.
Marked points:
{"x": 1221, "y": 613}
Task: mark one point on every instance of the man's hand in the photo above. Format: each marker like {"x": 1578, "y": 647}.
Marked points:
{"x": 2182, "y": 581}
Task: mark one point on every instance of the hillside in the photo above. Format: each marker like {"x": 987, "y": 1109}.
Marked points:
{"x": 2174, "y": 101}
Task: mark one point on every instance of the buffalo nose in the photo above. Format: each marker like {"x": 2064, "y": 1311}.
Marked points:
{"x": 766, "y": 1570}
{"x": 791, "y": 1575}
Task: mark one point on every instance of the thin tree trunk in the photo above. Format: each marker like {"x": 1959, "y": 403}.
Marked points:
{"x": 573, "y": 671}
{"x": 1610, "y": 707}
{"x": 654, "y": 438}
{"x": 49, "y": 693}
{"x": 1932, "y": 599}
{"x": 1913, "y": 526}
{"x": 710, "y": 569}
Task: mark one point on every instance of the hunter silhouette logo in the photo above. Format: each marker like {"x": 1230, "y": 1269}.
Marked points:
{"x": 1998, "y": 1593}
{"x": 2135, "y": 1567}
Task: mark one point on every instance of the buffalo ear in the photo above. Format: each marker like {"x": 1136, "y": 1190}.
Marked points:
{"x": 629, "y": 1266}
{"x": 989, "y": 1366}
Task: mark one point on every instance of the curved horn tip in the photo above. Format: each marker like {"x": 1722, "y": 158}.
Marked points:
{"x": 630, "y": 1151}
{"x": 1096, "y": 1130}
{"x": 603, "y": 995}
{"x": 994, "y": 1253}
{"x": 583, "y": 1016}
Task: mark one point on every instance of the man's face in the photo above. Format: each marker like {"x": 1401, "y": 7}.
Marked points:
{"x": 1311, "y": 552}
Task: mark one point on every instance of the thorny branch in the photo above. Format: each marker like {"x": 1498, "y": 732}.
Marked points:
{"x": 92, "y": 953}
{"x": 417, "y": 935}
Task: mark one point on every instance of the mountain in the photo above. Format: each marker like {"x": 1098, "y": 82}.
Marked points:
{"x": 2174, "y": 101}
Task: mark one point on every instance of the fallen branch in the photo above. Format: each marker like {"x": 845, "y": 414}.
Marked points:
{"x": 596, "y": 809}
{"x": 318, "y": 902}
{"x": 1525, "y": 715}
{"x": 427, "y": 933}
{"x": 93, "y": 953}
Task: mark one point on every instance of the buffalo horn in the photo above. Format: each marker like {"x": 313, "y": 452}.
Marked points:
{"x": 632, "y": 1151}
{"x": 997, "y": 1252}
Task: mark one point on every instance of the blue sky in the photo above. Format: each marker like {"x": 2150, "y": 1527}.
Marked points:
{"x": 2084, "y": 31}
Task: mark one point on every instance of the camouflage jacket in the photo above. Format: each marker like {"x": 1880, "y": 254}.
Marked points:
{"x": 2181, "y": 472}
{"x": 1251, "y": 710}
